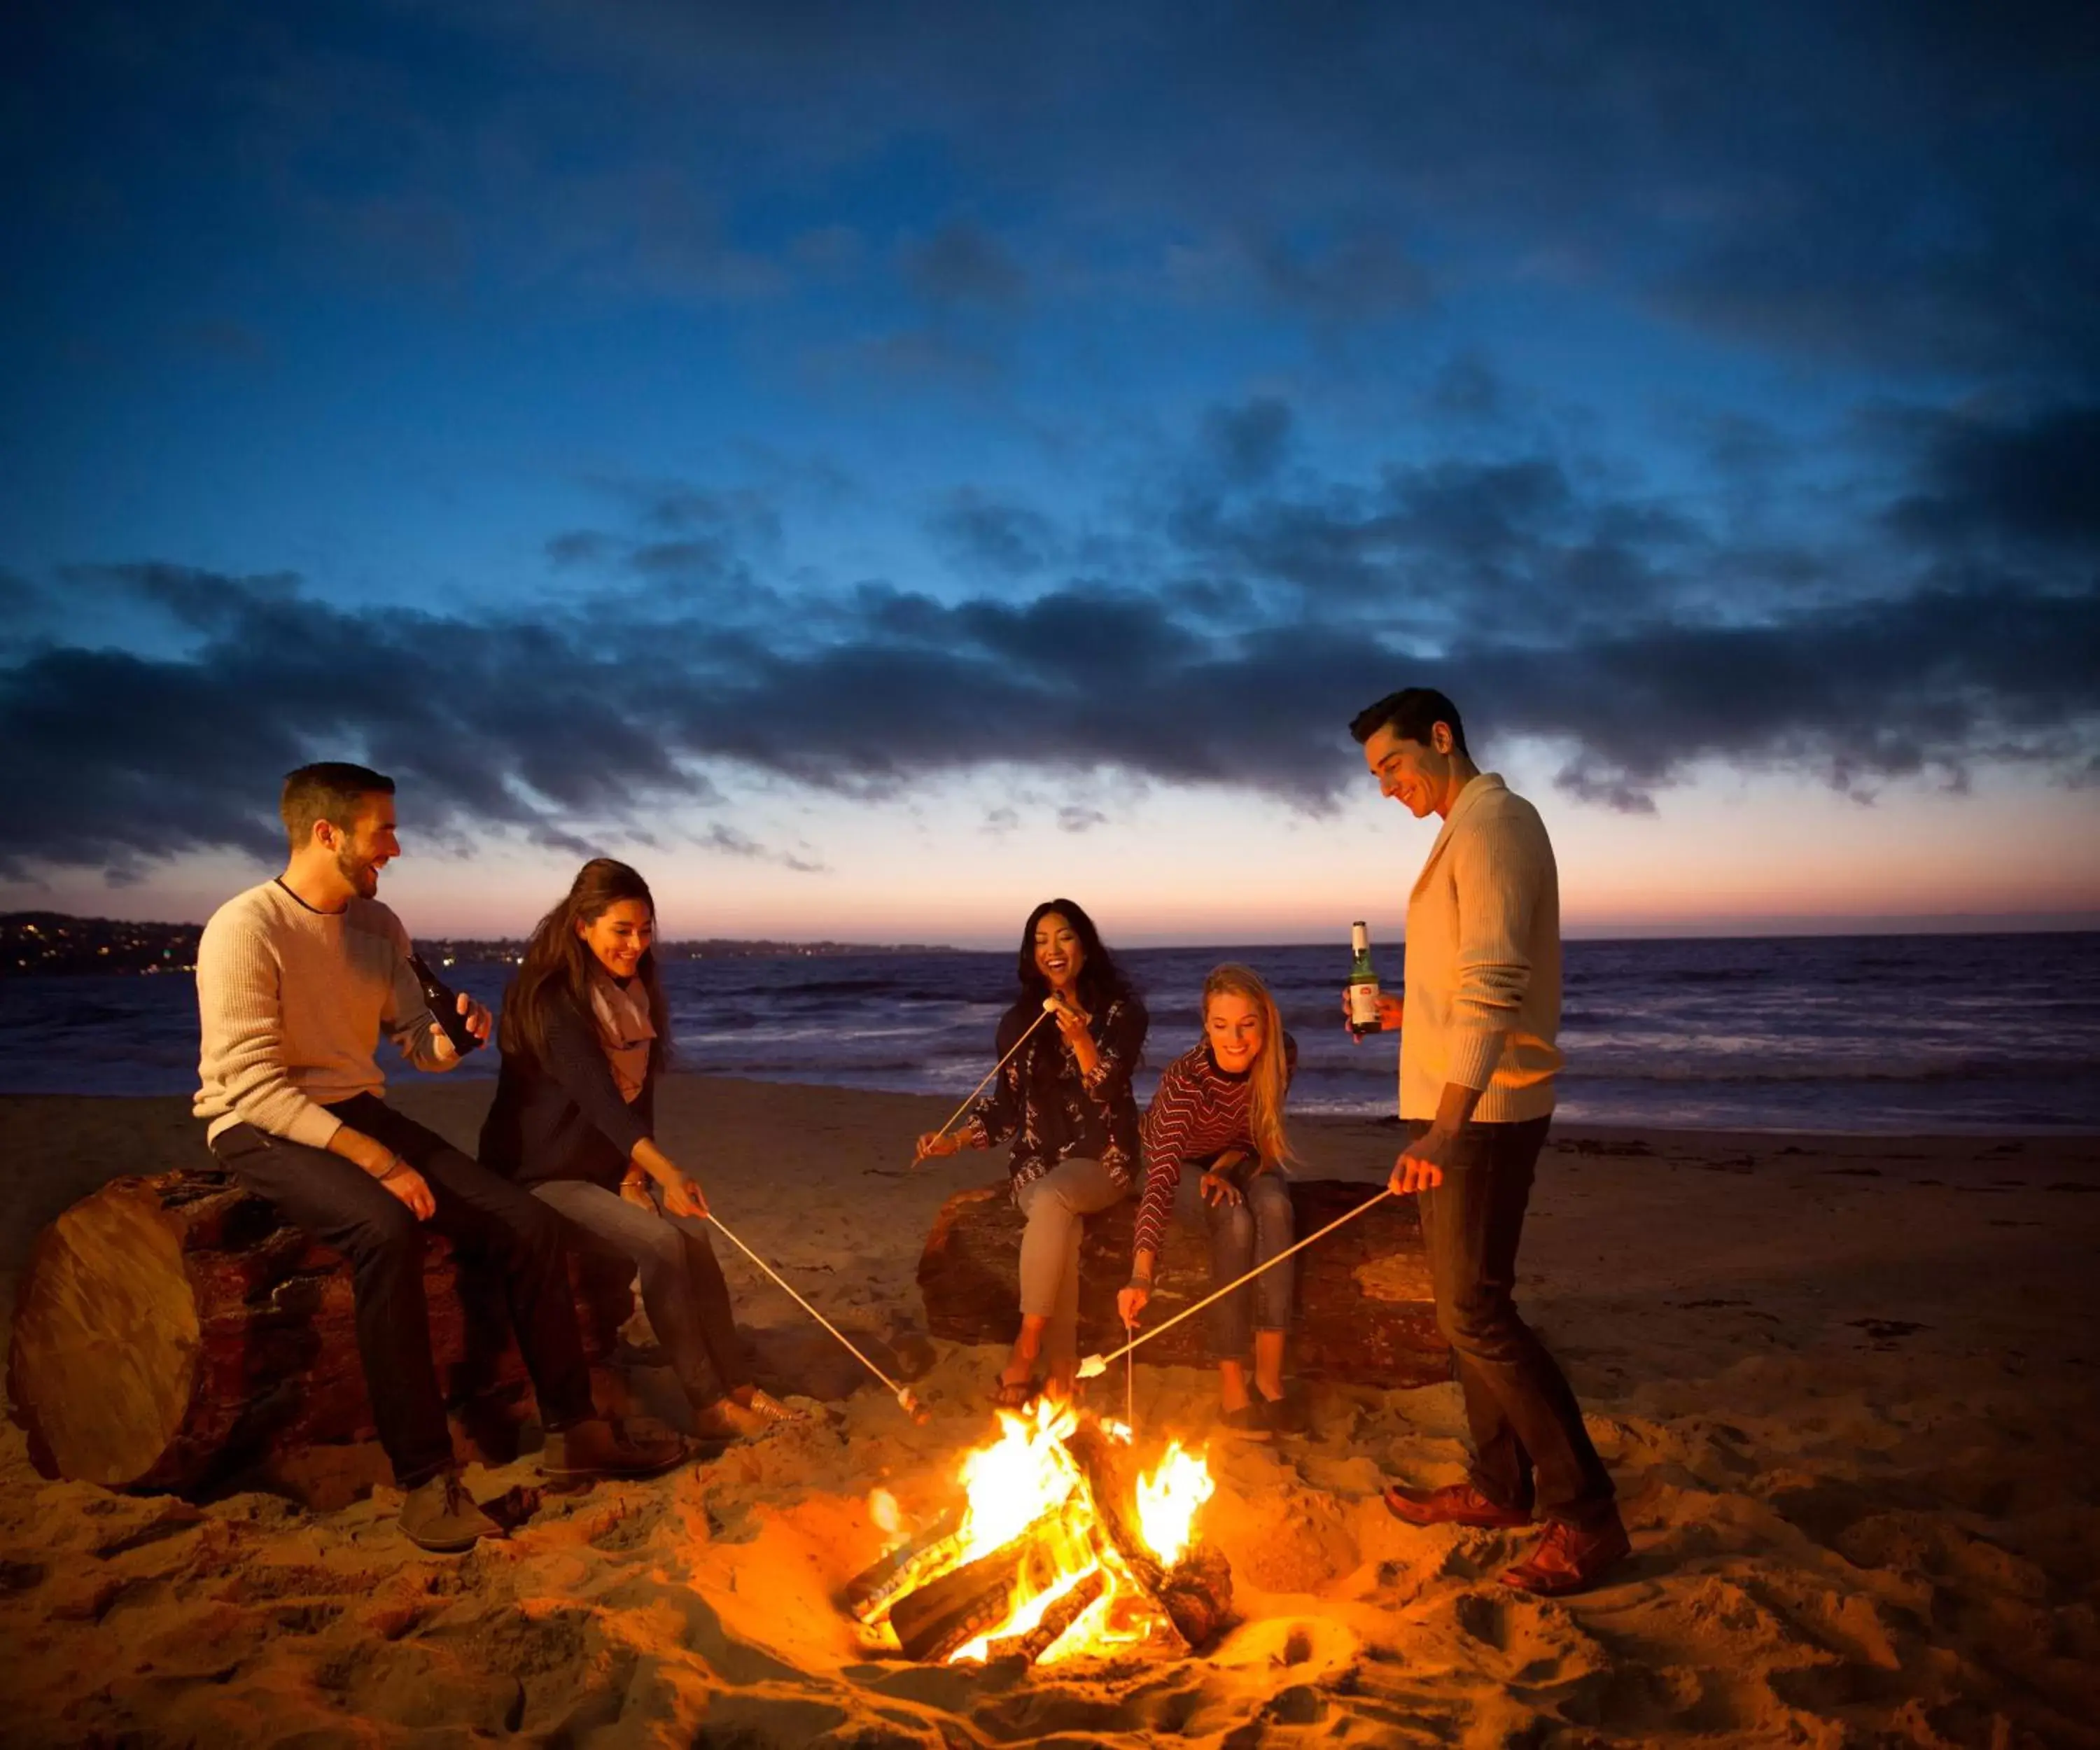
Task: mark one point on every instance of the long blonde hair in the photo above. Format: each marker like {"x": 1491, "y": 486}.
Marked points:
{"x": 1268, "y": 1076}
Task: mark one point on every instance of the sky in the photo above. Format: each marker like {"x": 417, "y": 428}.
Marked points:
{"x": 876, "y": 468}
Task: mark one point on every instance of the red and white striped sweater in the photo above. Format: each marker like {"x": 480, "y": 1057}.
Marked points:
{"x": 1199, "y": 1111}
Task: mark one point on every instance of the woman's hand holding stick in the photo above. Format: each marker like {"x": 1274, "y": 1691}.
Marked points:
{"x": 932, "y": 1143}
{"x": 1097, "y": 1364}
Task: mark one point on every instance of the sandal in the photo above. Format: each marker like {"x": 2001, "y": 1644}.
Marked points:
{"x": 1015, "y": 1395}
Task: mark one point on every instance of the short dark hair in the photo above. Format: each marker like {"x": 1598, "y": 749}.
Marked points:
{"x": 1411, "y": 714}
{"x": 329, "y": 790}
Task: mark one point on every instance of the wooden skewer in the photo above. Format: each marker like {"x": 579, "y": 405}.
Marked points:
{"x": 1047, "y": 1011}
{"x": 1095, "y": 1365}
{"x": 903, "y": 1394}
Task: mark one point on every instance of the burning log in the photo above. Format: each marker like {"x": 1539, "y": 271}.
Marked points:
{"x": 167, "y": 1330}
{"x": 869, "y": 1595}
{"x": 1365, "y": 1309}
{"x": 1068, "y": 1610}
{"x": 959, "y": 1606}
{"x": 1196, "y": 1592}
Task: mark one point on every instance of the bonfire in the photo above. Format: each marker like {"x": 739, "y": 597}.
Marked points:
{"x": 1059, "y": 1549}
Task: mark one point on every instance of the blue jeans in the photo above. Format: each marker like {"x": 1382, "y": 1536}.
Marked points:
{"x": 682, "y": 1288}
{"x": 1241, "y": 1237}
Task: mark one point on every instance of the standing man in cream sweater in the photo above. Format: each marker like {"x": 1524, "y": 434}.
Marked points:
{"x": 1477, "y": 1060}
{"x": 296, "y": 980}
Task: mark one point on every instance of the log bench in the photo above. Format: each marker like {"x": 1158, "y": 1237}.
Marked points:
{"x": 171, "y": 1331}
{"x": 1364, "y": 1308}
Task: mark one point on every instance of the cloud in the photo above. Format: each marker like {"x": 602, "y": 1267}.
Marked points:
{"x": 729, "y": 840}
{"x": 961, "y": 263}
{"x": 1563, "y": 605}
{"x": 981, "y": 534}
{"x": 2029, "y": 481}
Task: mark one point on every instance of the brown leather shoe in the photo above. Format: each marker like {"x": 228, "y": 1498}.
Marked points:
{"x": 597, "y": 1448}
{"x": 1454, "y": 1504}
{"x": 1570, "y": 1558}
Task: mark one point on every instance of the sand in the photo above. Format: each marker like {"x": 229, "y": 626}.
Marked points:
{"x": 1847, "y": 1387}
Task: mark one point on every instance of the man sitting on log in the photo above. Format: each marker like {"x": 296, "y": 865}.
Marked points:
{"x": 296, "y": 978}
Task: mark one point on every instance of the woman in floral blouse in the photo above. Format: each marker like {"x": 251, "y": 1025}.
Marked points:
{"x": 1064, "y": 1098}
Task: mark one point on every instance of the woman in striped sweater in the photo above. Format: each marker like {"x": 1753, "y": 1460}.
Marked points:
{"x": 1220, "y": 1105}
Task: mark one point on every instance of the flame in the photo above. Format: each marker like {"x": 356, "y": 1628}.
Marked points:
{"x": 1027, "y": 1475}
{"x": 1167, "y": 1500}
{"x": 1020, "y": 1477}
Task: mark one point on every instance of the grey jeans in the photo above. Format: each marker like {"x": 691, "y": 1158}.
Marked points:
{"x": 1054, "y": 1206}
{"x": 683, "y": 1287}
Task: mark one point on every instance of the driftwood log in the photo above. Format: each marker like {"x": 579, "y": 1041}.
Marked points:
{"x": 170, "y": 1331}
{"x": 1197, "y": 1592}
{"x": 968, "y": 1601}
{"x": 1364, "y": 1308}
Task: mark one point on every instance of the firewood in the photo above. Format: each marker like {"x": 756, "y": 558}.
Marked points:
{"x": 169, "y": 1330}
{"x": 1032, "y": 1645}
{"x": 1197, "y": 1592}
{"x": 1364, "y": 1307}
{"x": 870, "y": 1593}
{"x": 960, "y": 1605}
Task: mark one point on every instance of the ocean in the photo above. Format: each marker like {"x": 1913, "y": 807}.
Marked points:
{"x": 1885, "y": 1034}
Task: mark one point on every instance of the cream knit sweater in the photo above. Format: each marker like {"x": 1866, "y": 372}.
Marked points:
{"x": 1483, "y": 984}
{"x": 291, "y": 1002}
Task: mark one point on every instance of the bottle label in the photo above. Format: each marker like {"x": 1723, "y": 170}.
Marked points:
{"x": 1363, "y": 1005}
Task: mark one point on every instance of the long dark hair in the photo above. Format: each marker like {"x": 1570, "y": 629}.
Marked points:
{"x": 1101, "y": 980}
{"x": 557, "y": 965}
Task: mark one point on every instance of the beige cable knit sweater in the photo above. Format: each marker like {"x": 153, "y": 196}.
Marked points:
{"x": 1482, "y": 978}
{"x": 291, "y": 1002}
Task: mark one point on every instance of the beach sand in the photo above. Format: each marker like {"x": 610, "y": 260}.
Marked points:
{"x": 1847, "y": 1387}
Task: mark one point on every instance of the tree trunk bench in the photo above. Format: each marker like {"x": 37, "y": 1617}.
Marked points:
{"x": 170, "y": 1331}
{"x": 1365, "y": 1310}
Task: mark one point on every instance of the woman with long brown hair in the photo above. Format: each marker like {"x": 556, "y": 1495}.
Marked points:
{"x": 585, "y": 1034}
{"x": 1220, "y": 1105}
{"x": 1063, "y": 1094}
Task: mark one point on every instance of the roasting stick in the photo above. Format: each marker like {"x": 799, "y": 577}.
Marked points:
{"x": 1095, "y": 1365}
{"x": 1049, "y": 1008}
{"x": 903, "y": 1394}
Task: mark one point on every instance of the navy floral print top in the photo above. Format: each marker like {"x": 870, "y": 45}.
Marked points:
{"x": 1051, "y": 1111}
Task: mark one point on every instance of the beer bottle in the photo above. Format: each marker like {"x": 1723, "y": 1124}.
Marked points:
{"x": 444, "y": 1006}
{"x": 1363, "y": 989}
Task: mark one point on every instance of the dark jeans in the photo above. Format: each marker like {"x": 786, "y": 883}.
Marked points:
{"x": 1240, "y": 1238}
{"x": 487, "y": 1217}
{"x": 1528, "y": 1441}
{"x": 682, "y": 1283}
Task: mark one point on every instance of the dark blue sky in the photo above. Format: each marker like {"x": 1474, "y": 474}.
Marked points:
{"x": 868, "y": 465}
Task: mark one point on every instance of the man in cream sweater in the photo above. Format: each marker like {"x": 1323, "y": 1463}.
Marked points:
{"x": 1477, "y": 1060}
{"x": 296, "y": 980}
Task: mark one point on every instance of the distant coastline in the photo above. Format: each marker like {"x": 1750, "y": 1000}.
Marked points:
{"x": 47, "y": 944}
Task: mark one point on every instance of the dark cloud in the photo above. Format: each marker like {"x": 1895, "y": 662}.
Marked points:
{"x": 2029, "y": 481}
{"x": 1278, "y": 609}
{"x": 1247, "y": 443}
{"x": 1909, "y": 183}
{"x": 979, "y": 534}
{"x": 962, "y": 264}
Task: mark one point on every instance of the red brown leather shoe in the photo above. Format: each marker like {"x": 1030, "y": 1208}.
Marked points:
{"x": 1454, "y": 1504}
{"x": 1570, "y": 1558}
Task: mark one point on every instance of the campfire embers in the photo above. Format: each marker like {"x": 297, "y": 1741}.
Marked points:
{"x": 1062, "y": 1550}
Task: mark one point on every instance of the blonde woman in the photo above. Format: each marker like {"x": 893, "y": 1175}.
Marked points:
{"x": 1220, "y": 1106}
